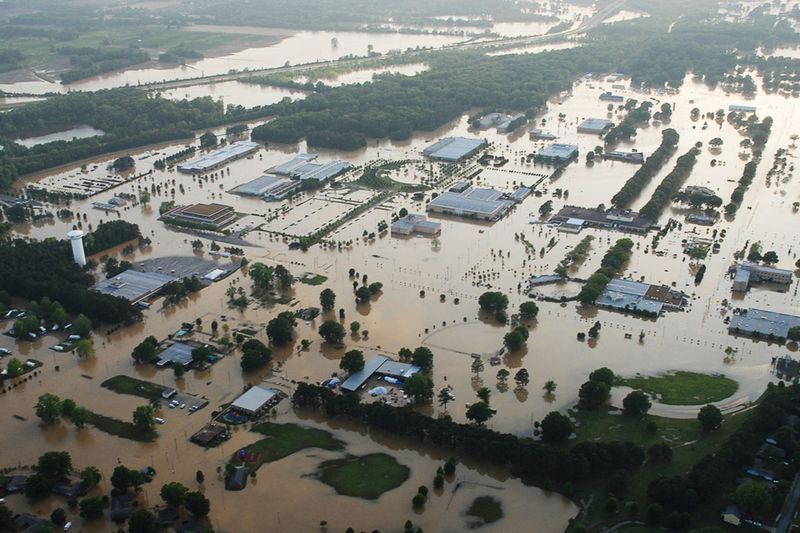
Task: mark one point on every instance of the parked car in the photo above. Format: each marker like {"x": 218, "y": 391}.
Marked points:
{"x": 160, "y": 420}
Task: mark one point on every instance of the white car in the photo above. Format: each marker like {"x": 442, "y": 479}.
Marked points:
{"x": 182, "y": 405}
{"x": 3, "y": 351}
{"x": 160, "y": 420}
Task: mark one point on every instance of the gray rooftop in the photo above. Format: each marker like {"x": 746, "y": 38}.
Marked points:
{"x": 558, "y": 151}
{"x": 133, "y": 285}
{"x": 218, "y": 157}
{"x": 764, "y": 322}
{"x": 177, "y": 353}
{"x": 470, "y": 203}
{"x": 260, "y": 185}
{"x": 254, "y": 399}
{"x": 594, "y": 124}
{"x": 397, "y": 369}
{"x": 304, "y": 167}
{"x": 628, "y": 295}
{"x": 453, "y": 148}
{"x": 357, "y": 379}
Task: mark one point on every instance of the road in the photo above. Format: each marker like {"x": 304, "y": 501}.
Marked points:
{"x": 589, "y": 23}
{"x": 789, "y": 507}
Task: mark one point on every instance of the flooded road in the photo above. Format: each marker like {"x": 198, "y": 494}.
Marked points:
{"x": 463, "y": 262}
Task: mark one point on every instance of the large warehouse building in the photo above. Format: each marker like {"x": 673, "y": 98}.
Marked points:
{"x": 453, "y": 148}
{"x": 133, "y": 285}
{"x": 215, "y": 216}
{"x": 217, "y": 158}
{"x": 477, "y": 203}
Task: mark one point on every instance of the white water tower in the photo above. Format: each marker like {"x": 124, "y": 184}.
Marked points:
{"x": 76, "y": 239}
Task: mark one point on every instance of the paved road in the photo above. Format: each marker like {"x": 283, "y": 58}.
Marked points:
{"x": 591, "y": 22}
{"x": 789, "y": 507}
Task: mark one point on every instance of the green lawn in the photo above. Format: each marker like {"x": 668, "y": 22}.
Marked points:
{"x": 119, "y": 428}
{"x": 312, "y": 279}
{"x": 689, "y": 443}
{"x": 484, "y": 510}
{"x": 684, "y": 388}
{"x": 367, "y": 476}
{"x": 284, "y": 440}
{"x": 134, "y": 387}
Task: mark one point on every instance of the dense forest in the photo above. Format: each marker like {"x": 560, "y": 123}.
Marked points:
{"x": 86, "y": 62}
{"x": 110, "y": 234}
{"x": 33, "y": 270}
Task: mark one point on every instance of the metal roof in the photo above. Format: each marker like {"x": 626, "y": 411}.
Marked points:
{"x": 397, "y": 369}
{"x": 463, "y": 203}
{"x": 594, "y": 124}
{"x": 558, "y": 151}
{"x": 357, "y": 379}
{"x": 133, "y": 285}
{"x": 218, "y": 157}
{"x": 453, "y": 148}
{"x": 260, "y": 185}
{"x": 764, "y": 322}
{"x": 178, "y": 352}
{"x": 254, "y": 399}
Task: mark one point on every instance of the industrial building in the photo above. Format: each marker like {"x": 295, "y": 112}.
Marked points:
{"x": 219, "y": 157}
{"x": 623, "y": 220}
{"x": 742, "y": 108}
{"x": 215, "y": 216}
{"x": 414, "y": 223}
{"x": 557, "y": 153}
{"x": 392, "y": 372}
{"x": 254, "y": 400}
{"x": 762, "y": 323}
{"x": 304, "y": 167}
{"x": 637, "y": 297}
{"x": 177, "y": 353}
{"x": 454, "y": 148}
{"x": 483, "y": 204}
{"x": 133, "y": 285}
{"x": 746, "y": 273}
{"x": 611, "y": 97}
{"x": 269, "y": 187}
{"x": 702, "y": 220}
{"x": 627, "y": 157}
{"x": 519, "y": 194}
{"x": 540, "y": 134}
{"x": 594, "y": 126}
{"x": 692, "y": 190}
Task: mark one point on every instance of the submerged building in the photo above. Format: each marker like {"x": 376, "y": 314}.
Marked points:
{"x": 640, "y": 298}
{"x": 746, "y": 273}
{"x": 392, "y": 372}
{"x": 213, "y": 216}
{"x": 627, "y": 157}
{"x": 269, "y": 187}
{"x": 763, "y": 323}
{"x": 473, "y": 202}
{"x": 133, "y": 285}
{"x": 414, "y": 223}
{"x": 219, "y": 157}
{"x": 617, "y": 219}
{"x": 454, "y": 148}
{"x": 557, "y": 153}
{"x": 305, "y": 167}
{"x": 594, "y": 126}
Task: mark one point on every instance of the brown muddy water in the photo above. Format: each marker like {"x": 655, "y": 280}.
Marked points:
{"x": 400, "y": 317}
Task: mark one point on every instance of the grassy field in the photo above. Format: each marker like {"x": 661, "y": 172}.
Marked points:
{"x": 485, "y": 510}
{"x": 378, "y": 178}
{"x": 367, "y": 476}
{"x": 684, "y": 388}
{"x": 119, "y": 428}
{"x": 134, "y": 387}
{"x": 689, "y": 443}
{"x": 284, "y": 440}
{"x": 312, "y": 279}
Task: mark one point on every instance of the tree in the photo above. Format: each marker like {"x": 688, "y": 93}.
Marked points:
{"x": 636, "y": 403}
{"x": 91, "y": 508}
{"x": 123, "y": 478}
{"x": 794, "y": 334}
{"x": 280, "y": 330}
{"x": 423, "y": 358}
{"x": 752, "y": 498}
{"x": 37, "y": 487}
{"x": 82, "y": 325}
{"x": 593, "y": 393}
{"x": 284, "y": 277}
{"x": 90, "y": 477}
{"x": 522, "y": 378}
{"x": 514, "y": 340}
{"x": 197, "y": 504}
{"x": 144, "y": 418}
{"x": 770, "y": 257}
{"x": 200, "y": 477}
{"x": 528, "y": 310}
{"x": 375, "y": 287}
{"x": 444, "y": 397}
{"x": 68, "y": 407}
{"x": 57, "y": 517}
{"x": 363, "y": 295}
{"x": 6, "y": 518}
{"x": 261, "y": 275}
{"x": 502, "y": 375}
{"x": 54, "y": 466}
{"x": 484, "y": 394}
{"x": 143, "y": 521}
{"x": 419, "y": 388}
{"x": 200, "y": 355}
{"x": 479, "y": 412}
{"x": 85, "y": 348}
{"x": 14, "y": 367}
{"x": 48, "y": 408}
{"x": 174, "y": 493}
{"x": 604, "y": 375}
{"x": 208, "y": 139}
{"x": 493, "y": 301}
{"x": 145, "y": 351}
{"x": 353, "y": 361}
{"x": 254, "y": 355}
{"x": 550, "y": 386}
{"x": 327, "y": 300}
{"x": 710, "y": 417}
{"x": 354, "y": 327}
{"x": 556, "y": 428}
{"x": 332, "y": 331}
{"x": 405, "y": 354}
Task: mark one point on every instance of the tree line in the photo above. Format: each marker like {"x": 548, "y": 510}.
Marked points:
{"x": 644, "y": 174}
{"x": 670, "y": 185}
{"x": 758, "y": 134}
{"x": 611, "y": 265}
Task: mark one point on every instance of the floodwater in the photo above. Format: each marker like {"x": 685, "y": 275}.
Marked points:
{"x": 78, "y": 132}
{"x": 460, "y": 264}
{"x": 235, "y": 93}
{"x": 299, "y": 48}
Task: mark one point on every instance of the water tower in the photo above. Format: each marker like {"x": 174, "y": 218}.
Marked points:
{"x": 76, "y": 239}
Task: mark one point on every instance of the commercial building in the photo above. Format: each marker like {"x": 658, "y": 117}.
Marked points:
{"x": 627, "y": 157}
{"x": 611, "y": 97}
{"x": 746, "y": 273}
{"x": 703, "y": 220}
{"x": 269, "y": 187}
{"x": 133, "y": 285}
{"x": 557, "y": 153}
{"x": 623, "y": 220}
{"x": 519, "y": 194}
{"x": 762, "y": 323}
{"x": 215, "y": 216}
{"x": 454, "y": 148}
{"x": 254, "y": 400}
{"x": 595, "y": 126}
{"x": 500, "y": 120}
{"x": 642, "y": 298}
{"x": 483, "y": 204}
{"x": 698, "y": 190}
{"x": 219, "y": 157}
{"x": 540, "y": 134}
{"x": 304, "y": 167}
{"x": 414, "y": 223}
{"x": 460, "y": 186}
{"x": 379, "y": 366}
{"x": 177, "y": 353}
